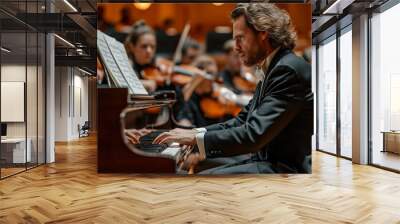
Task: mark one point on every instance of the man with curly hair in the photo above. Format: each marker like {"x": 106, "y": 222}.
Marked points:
{"x": 277, "y": 125}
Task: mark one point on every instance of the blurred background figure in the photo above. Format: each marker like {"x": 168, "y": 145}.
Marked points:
{"x": 125, "y": 24}
{"x": 168, "y": 27}
{"x": 201, "y": 88}
{"x": 190, "y": 51}
{"x": 141, "y": 47}
{"x": 233, "y": 66}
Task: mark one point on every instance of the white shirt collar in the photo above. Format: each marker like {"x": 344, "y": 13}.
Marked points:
{"x": 264, "y": 65}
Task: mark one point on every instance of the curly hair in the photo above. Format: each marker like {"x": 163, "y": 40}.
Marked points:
{"x": 268, "y": 17}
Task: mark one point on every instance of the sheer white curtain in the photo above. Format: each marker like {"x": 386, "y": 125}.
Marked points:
{"x": 346, "y": 93}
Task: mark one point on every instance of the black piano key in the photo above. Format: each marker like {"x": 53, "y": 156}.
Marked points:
{"x": 146, "y": 142}
{"x": 148, "y": 139}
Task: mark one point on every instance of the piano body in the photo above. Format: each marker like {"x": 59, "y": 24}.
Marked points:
{"x": 130, "y": 107}
{"x": 117, "y": 112}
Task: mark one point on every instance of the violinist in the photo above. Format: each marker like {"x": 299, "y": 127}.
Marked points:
{"x": 190, "y": 51}
{"x": 141, "y": 47}
{"x": 232, "y": 67}
{"x": 236, "y": 76}
{"x": 193, "y": 113}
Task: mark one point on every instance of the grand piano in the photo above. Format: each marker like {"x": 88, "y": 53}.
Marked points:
{"x": 124, "y": 104}
{"x": 118, "y": 112}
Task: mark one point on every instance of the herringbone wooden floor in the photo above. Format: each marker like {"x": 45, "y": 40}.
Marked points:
{"x": 71, "y": 191}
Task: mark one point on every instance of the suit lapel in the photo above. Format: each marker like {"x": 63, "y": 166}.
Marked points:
{"x": 265, "y": 82}
{"x": 255, "y": 97}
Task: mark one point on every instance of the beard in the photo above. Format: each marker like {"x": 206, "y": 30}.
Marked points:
{"x": 249, "y": 61}
{"x": 252, "y": 58}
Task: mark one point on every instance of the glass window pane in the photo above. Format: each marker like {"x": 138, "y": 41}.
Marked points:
{"x": 346, "y": 94}
{"x": 385, "y": 84}
{"x": 14, "y": 153}
{"x": 22, "y": 62}
{"x": 327, "y": 96}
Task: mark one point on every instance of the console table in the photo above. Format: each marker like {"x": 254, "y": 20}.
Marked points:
{"x": 391, "y": 141}
{"x": 13, "y": 150}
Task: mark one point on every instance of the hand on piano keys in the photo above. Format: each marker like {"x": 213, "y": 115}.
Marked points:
{"x": 170, "y": 143}
{"x": 178, "y": 135}
{"x": 134, "y": 135}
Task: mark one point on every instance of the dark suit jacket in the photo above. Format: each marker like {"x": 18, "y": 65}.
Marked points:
{"x": 277, "y": 124}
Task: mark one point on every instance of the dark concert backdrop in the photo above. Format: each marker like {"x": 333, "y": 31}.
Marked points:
{"x": 203, "y": 18}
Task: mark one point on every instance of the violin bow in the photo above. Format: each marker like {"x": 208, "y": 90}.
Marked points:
{"x": 178, "y": 50}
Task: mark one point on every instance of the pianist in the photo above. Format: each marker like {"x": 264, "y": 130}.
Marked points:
{"x": 276, "y": 126}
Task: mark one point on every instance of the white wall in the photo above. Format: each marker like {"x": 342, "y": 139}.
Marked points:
{"x": 71, "y": 94}
{"x": 62, "y": 81}
{"x": 80, "y": 101}
{"x": 14, "y": 73}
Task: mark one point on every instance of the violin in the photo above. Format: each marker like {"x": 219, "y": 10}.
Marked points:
{"x": 221, "y": 102}
{"x": 218, "y": 105}
{"x": 157, "y": 72}
{"x": 243, "y": 85}
{"x": 164, "y": 72}
{"x": 245, "y": 82}
{"x": 214, "y": 109}
{"x": 180, "y": 76}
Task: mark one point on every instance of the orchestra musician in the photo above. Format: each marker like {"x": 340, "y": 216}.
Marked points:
{"x": 141, "y": 47}
{"x": 153, "y": 72}
{"x": 276, "y": 126}
{"x": 233, "y": 66}
{"x": 192, "y": 113}
{"x": 234, "y": 71}
{"x": 190, "y": 51}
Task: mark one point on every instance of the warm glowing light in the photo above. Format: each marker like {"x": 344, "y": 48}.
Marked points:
{"x": 217, "y": 3}
{"x": 142, "y": 6}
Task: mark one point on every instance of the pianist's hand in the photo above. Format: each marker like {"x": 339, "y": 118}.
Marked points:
{"x": 178, "y": 135}
{"x": 134, "y": 135}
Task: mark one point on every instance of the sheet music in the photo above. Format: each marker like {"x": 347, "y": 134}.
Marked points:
{"x": 116, "y": 62}
{"x": 121, "y": 57}
{"x": 109, "y": 62}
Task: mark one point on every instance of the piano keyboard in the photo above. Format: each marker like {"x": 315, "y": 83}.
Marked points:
{"x": 173, "y": 150}
{"x": 146, "y": 145}
{"x": 149, "y": 138}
